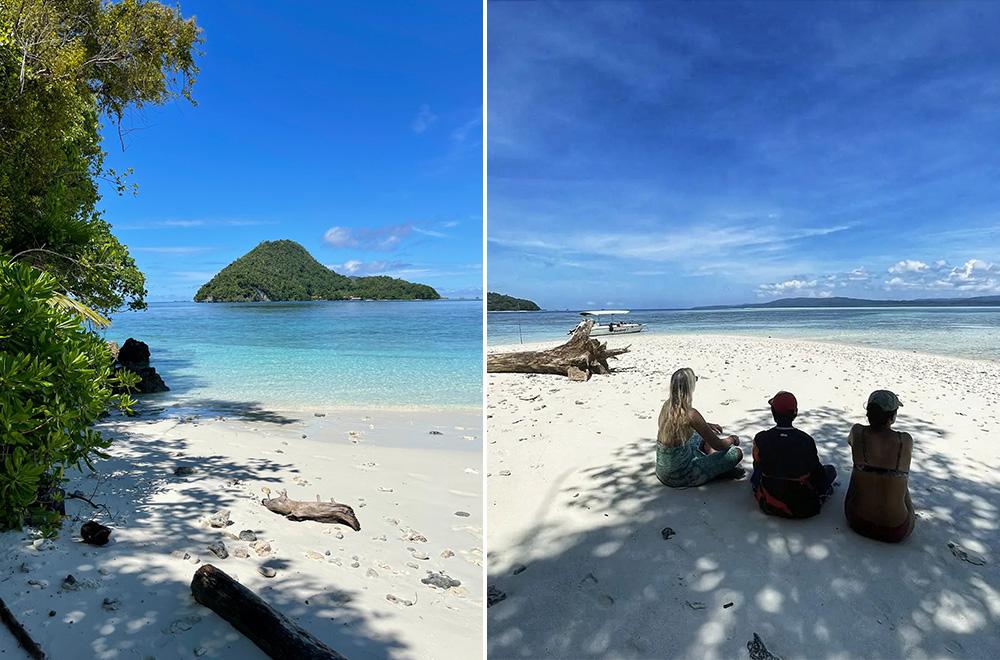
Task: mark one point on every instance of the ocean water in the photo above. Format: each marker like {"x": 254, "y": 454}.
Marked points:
{"x": 968, "y": 332}
{"x": 424, "y": 354}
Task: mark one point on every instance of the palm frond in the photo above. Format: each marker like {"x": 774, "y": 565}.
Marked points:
{"x": 64, "y": 301}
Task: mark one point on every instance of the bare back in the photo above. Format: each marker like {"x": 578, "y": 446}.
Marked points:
{"x": 879, "y": 491}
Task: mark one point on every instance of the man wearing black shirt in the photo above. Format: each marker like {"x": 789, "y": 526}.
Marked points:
{"x": 788, "y": 479}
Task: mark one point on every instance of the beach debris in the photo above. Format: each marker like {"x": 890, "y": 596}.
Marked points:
{"x": 312, "y": 554}
{"x": 434, "y": 433}
{"x": 219, "y": 549}
{"x": 319, "y": 414}
{"x": 272, "y": 632}
{"x": 41, "y": 545}
{"x": 728, "y": 605}
{"x": 417, "y": 554}
{"x": 69, "y": 583}
{"x": 111, "y": 604}
{"x": 261, "y": 548}
{"x": 504, "y": 473}
{"x": 219, "y": 519}
{"x": 38, "y": 584}
{"x": 414, "y": 535}
{"x": 667, "y": 532}
{"x": 462, "y": 514}
{"x": 494, "y": 596}
{"x": 579, "y": 358}
{"x": 266, "y": 571}
{"x": 95, "y": 533}
{"x": 248, "y": 535}
{"x": 241, "y": 552}
{"x": 518, "y": 569}
{"x": 441, "y": 580}
{"x": 324, "y": 512}
{"x": 758, "y": 651}
{"x": 19, "y": 632}
{"x": 184, "y": 470}
{"x": 200, "y": 651}
{"x": 372, "y": 573}
{"x": 696, "y": 605}
{"x": 447, "y": 554}
{"x": 400, "y": 601}
{"x": 966, "y": 555}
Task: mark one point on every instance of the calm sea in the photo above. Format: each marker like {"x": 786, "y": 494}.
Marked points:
{"x": 314, "y": 354}
{"x": 956, "y": 331}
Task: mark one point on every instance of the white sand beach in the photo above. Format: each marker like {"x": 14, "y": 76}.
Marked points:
{"x": 575, "y": 512}
{"x": 417, "y": 495}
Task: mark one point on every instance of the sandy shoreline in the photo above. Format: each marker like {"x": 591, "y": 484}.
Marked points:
{"x": 576, "y": 513}
{"x": 405, "y": 484}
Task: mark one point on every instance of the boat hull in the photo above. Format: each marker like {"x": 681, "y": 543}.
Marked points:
{"x": 624, "y": 329}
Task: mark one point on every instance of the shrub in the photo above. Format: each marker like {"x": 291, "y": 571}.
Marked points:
{"x": 55, "y": 381}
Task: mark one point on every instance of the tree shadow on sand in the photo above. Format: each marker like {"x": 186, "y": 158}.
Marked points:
{"x": 141, "y": 572}
{"x": 205, "y": 408}
{"x": 810, "y": 588}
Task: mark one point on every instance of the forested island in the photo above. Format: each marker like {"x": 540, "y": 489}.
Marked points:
{"x": 837, "y": 301}
{"x": 284, "y": 270}
{"x": 498, "y": 302}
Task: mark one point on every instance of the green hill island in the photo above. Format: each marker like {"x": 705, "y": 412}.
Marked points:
{"x": 498, "y": 302}
{"x": 284, "y": 270}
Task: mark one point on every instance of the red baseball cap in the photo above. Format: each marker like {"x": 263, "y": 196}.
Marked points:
{"x": 783, "y": 403}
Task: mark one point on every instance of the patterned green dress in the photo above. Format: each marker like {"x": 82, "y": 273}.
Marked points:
{"x": 688, "y": 465}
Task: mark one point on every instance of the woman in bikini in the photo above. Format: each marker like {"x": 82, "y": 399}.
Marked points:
{"x": 878, "y": 500}
{"x": 689, "y": 451}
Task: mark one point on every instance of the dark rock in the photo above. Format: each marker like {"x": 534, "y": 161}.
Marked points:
{"x": 462, "y": 514}
{"x": 219, "y": 549}
{"x": 494, "y": 596}
{"x": 184, "y": 470}
{"x": 95, "y": 533}
{"x": 150, "y": 382}
{"x": 134, "y": 354}
{"x": 248, "y": 535}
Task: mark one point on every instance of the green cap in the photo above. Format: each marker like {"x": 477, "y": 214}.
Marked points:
{"x": 885, "y": 400}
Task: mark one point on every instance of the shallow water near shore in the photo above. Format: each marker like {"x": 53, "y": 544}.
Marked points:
{"x": 966, "y": 332}
{"x": 313, "y": 355}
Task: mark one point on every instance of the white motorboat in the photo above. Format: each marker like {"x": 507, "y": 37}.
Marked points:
{"x": 611, "y": 326}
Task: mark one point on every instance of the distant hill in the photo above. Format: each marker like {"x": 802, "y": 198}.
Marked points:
{"x": 498, "y": 302}
{"x": 984, "y": 301}
{"x": 284, "y": 270}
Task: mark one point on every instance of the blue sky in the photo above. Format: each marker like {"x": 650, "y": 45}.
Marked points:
{"x": 353, "y": 129}
{"x": 665, "y": 154}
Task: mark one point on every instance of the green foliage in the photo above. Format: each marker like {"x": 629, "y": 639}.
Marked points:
{"x": 55, "y": 380}
{"x": 284, "y": 270}
{"x": 498, "y": 302}
{"x": 63, "y": 65}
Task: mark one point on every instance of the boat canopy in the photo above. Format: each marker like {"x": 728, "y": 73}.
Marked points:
{"x": 604, "y": 312}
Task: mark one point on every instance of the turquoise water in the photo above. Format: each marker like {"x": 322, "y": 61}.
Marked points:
{"x": 315, "y": 354}
{"x": 968, "y": 332}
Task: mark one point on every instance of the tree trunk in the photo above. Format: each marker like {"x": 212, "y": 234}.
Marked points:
{"x": 579, "y": 358}
{"x": 324, "y": 512}
{"x": 272, "y": 632}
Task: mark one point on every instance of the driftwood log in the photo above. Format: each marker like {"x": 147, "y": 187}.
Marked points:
{"x": 20, "y": 633}
{"x": 579, "y": 358}
{"x": 324, "y": 512}
{"x": 272, "y": 632}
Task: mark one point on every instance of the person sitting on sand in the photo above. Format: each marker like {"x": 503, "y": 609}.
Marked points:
{"x": 878, "y": 500}
{"x": 788, "y": 479}
{"x": 689, "y": 451}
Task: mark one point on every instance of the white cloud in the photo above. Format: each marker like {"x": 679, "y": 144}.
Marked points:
{"x": 424, "y": 119}
{"x": 788, "y": 287}
{"x": 908, "y": 266}
{"x": 358, "y": 268}
{"x": 384, "y": 239}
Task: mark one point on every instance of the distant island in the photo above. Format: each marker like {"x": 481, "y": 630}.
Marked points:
{"x": 284, "y": 270}
{"x": 498, "y": 302}
{"x": 976, "y": 301}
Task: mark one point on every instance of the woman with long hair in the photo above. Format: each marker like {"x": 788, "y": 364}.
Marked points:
{"x": 689, "y": 450}
{"x": 878, "y": 501}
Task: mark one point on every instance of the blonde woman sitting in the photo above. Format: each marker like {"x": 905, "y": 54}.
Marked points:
{"x": 689, "y": 450}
